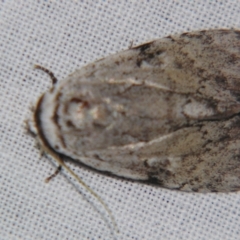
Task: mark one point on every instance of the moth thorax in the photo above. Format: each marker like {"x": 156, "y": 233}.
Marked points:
{"x": 85, "y": 114}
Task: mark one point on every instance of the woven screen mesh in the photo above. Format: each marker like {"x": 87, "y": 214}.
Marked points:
{"x": 63, "y": 36}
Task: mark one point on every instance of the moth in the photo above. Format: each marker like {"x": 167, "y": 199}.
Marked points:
{"x": 165, "y": 112}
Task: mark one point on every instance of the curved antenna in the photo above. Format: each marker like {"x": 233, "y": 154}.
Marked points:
{"x": 51, "y": 75}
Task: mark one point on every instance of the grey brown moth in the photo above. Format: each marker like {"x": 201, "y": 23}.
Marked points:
{"x": 165, "y": 112}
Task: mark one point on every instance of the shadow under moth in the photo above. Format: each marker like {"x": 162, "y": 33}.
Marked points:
{"x": 165, "y": 112}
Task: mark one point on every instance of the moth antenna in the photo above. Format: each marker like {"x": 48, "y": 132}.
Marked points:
{"x": 51, "y": 75}
{"x": 80, "y": 181}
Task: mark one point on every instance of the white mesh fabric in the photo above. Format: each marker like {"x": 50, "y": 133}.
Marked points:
{"x": 64, "y": 36}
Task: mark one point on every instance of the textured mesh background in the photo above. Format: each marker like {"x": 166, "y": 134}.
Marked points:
{"x": 64, "y": 36}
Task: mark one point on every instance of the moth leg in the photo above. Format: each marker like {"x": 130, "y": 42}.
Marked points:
{"x": 28, "y": 129}
{"x": 57, "y": 171}
{"x": 131, "y": 44}
{"x": 51, "y": 75}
